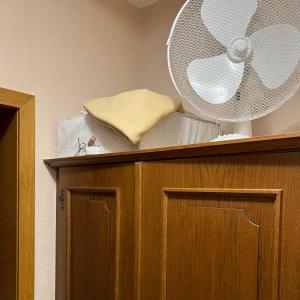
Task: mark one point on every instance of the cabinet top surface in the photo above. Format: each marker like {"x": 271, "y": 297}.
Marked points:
{"x": 265, "y": 144}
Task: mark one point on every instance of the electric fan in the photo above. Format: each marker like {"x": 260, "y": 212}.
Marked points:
{"x": 236, "y": 60}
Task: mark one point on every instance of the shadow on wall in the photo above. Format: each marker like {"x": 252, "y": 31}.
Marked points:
{"x": 285, "y": 119}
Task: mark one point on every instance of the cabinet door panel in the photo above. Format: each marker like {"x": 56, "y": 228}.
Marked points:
{"x": 93, "y": 243}
{"x": 213, "y": 250}
{"x": 95, "y": 232}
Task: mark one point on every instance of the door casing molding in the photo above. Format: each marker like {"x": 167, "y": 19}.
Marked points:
{"x": 25, "y": 107}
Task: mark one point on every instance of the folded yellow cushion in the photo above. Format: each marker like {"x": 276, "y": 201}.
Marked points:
{"x": 133, "y": 113}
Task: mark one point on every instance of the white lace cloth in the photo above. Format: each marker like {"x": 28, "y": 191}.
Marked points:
{"x": 176, "y": 129}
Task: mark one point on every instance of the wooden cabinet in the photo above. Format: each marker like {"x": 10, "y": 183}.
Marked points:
{"x": 212, "y": 221}
{"x": 95, "y": 232}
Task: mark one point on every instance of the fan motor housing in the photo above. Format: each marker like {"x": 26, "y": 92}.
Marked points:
{"x": 240, "y": 49}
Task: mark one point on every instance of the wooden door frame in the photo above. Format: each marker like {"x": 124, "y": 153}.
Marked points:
{"x": 25, "y": 107}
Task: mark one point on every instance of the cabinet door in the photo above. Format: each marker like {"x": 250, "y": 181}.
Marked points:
{"x": 95, "y": 233}
{"x": 208, "y": 236}
{"x": 93, "y": 247}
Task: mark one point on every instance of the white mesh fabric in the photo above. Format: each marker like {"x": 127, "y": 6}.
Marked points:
{"x": 83, "y": 127}
{"x": 179, "y": 129}
{"x": 191, "y": 40}
{"x": 176, "y": 129}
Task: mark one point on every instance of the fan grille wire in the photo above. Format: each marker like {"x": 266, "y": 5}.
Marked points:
{"x": 191, "y": 40}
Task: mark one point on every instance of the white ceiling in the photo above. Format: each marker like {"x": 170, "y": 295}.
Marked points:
{"x": 141, "y": 3}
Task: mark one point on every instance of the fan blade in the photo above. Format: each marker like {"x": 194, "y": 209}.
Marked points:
{"x": 215, "y": 79}
{"x": 276, "y": 53}
{"x": 227, "y": 19}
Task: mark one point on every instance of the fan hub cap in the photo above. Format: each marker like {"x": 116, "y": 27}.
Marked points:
{"x": 239, "y": 49}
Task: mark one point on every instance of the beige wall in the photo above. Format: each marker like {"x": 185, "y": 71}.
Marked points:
{"x": 67, "y": 51}
{"x": 157, "y": 20}
{"x": 64, "y": 52}
{"x": 156, "y": 24}
{"x": 284, "y": 120}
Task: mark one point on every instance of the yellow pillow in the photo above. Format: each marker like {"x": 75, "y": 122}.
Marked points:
{"x": 133, "y": 113}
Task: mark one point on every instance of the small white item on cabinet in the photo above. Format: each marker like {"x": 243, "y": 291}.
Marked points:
{"x": 84, "y": 127}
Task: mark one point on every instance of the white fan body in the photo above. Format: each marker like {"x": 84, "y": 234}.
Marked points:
{"x": 236, "y": 60}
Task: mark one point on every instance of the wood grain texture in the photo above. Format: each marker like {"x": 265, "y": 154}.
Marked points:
{"x": 138, "y": 228}
{"x": 225, "y": 179}
{"x": 213, "y": 260}
{"x": 93, "y": 244}
{"x": 26, "y": 198}
{"x": 24, "y": 105}
{"x": 8, "y": 203}
{"x": 215, "y": 243}
{"x": 14, "y": 99}
{"x": 276, "y": 143}
{"x": 122, "y": 178}
{"x": 265, "y": 171}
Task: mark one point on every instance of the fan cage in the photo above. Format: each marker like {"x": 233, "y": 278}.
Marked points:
{"x": 189, "y": 40}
